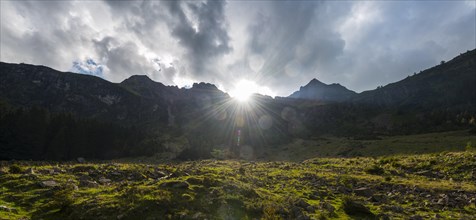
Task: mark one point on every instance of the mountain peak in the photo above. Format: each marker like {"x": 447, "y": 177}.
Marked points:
{"x": 314, "y": 81}
{"x": 139, "y": 78}
{"x": 204, "y": 86}
{"x": 317, "y": 90}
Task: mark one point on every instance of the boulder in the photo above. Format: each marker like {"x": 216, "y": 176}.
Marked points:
{"x": 354, "y": 208}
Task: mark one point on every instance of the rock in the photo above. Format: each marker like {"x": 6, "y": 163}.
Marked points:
{"x": 8, "y": 209}
{"x": 119, "y": 217}
{"x": 416, "y": 217}
{"x": 198, "y": 215}
{"x": 84, "y": 178}
{"x": 303, "y": 217}
{"x": 378, "y": 198}
{"x": 175, "y": 184}
{"x": 58, "y": 170}
{"x": 310, "y": 209}
{"x": 74, "y": 186}
{"x": 301, "y": 203}
{"x": 29, "y": 171}
{"x": 396, "y": 209}
{"x": 88, "y": 183}
{"x": 356, "y": 209}
{"x": 81, "y": 160}
{"x": 116, "y": 173}
{"x": 344, "y": 190}
{"x": 314, "y": 196}
{"x": 363, "y": 191}
{"x": 327, "y": 206}
{"x": 296, "y": 211}
{"x": 383, "y": 217}
{"x": 30, "y": 176}
{"x": 104, "y": 180}
{"x": 49, "y": 183}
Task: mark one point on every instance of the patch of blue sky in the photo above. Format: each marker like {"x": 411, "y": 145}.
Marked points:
{"x": 88, "y": 67}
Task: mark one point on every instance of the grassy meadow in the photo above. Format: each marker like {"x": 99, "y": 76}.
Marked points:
{"x": 432, "y": 176}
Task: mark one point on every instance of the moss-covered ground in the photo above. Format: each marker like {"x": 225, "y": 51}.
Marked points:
{"x": 426, "y": 186}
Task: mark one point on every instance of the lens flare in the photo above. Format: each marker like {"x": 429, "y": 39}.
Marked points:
{"x": 245, "y": 88}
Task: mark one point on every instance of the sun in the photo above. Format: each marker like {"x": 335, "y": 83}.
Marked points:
{"x": 243, "y": 90}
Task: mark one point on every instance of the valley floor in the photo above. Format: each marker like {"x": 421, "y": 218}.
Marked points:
{"x": 426, "y": 186}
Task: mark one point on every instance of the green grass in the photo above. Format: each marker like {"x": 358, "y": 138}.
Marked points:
{"x": 329, "y": 146}
{"x": 319, "y": 188}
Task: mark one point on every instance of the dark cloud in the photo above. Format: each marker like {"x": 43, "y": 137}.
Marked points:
{"x": 203, "y": 34}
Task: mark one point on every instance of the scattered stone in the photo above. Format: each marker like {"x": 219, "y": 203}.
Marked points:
{"x": 58, "y": 170}
{"x": 29, "y": 171}
{"x": 311, "y": 209}
{"x": 84, "y": 177}
{"x": 49, "y": 183}
{"x": 81, "y": 160}
{"x": 363, "y": 191}
{"x": 104, "y": 180}
{"x": 116, "y": 173}
{"x": 396, "y": 209}
{"x": 416, "y": 217}
{"x": 175, "y": 184}
{"x": 327, "y": 206}
{"x": 198, "y": 215}
{"x": 30, "y": 176}
{"x": 383, "y": 217}
{"x": 296, "y": 211}
{"x": 303, "y": 217}
{"x": 8, "y": 209}
{"x": 301, "y": 203}
{"x": 88, "y": 184}
{"x": 378, "y": 198}
{"x": 344, "y": 190}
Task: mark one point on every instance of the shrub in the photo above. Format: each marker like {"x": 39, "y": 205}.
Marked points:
{"x": 375, "y": 170}
{"x": 16, "y": 169}
{"x": 469, "y": 147}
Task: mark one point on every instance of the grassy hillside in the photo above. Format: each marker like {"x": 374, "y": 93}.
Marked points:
{"x": 439, "y": 185}
{"x": 331, "y": 146}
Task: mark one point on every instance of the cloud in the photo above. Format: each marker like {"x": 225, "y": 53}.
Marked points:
{"x": 278, "y": 44}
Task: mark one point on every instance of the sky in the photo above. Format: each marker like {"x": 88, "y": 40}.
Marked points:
{"x": 276, "y": 45}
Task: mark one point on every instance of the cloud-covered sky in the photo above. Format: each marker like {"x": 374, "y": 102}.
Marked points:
{"x": 280, "y": 45}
